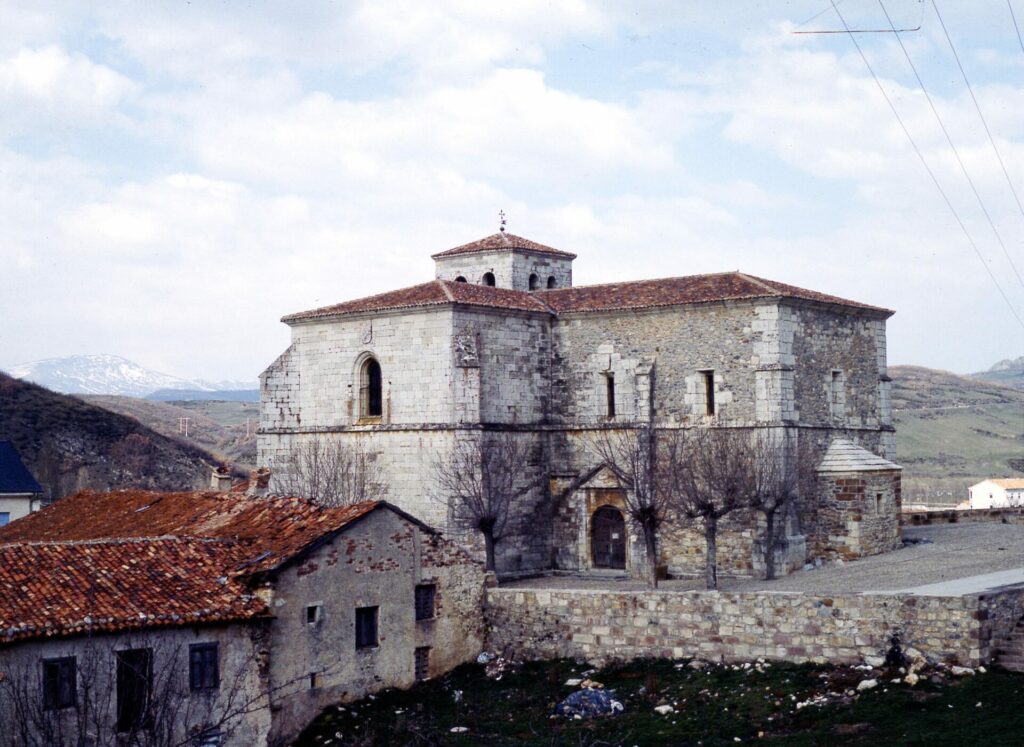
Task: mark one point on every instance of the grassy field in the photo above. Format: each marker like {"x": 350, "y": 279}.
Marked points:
{"x": 952, "y": 432}
{"x": 719, "y": 705}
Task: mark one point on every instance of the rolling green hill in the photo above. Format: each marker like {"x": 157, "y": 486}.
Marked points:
{"x": 952, "y": 431}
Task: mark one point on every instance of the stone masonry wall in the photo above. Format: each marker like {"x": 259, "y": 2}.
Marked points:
{"x": 790, "y": 626}
{"x": 510, "y": 269}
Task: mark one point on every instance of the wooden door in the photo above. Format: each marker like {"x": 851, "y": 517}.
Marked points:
{"x": 608, "y": 538}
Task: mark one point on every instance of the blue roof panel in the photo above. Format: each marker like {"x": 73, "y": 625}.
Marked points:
{"x": 14, "y": 475}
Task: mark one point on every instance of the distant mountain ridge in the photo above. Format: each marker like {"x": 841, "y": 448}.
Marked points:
{"x": 113, "y": 374}
{"x": 1008, "y": 372}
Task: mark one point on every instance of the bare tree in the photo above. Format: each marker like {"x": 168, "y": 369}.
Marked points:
{"x": 328, "y": 472}
{"x": 481, "y": 479}
{"x": 636, "y": 458}
{"x": 783, "y": 471}
{"x": 168, "y": 714}
{"x": 711, "y": 474}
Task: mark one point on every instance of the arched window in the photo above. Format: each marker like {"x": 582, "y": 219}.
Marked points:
{"x": 370, "y": 400}
{"x": 534, "y": 281}
{"x": 488, "y": 278}
{"x": 551, "y": 281}
{"x": 460, "y": 279}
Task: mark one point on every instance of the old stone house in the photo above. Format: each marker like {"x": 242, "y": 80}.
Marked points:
{"x": 20, "y": 493}
{"x": 501, "y": 340}
{"x": 218, "y": 616}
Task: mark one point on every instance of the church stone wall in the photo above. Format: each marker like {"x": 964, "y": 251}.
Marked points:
{"x": 510, "y": 269}
{"x": 682, "y": 341}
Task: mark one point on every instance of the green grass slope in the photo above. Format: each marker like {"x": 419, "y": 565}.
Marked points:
{"x": 952, "y": 431}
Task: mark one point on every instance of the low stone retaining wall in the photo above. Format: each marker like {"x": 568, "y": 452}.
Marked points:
{"x": 970, "y": 516}
{"x": 601, "y": 625}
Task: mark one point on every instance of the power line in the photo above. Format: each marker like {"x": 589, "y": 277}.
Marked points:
{"x": 991, "y": 140}
{"x": 1015, "y": 26}
{"x": 935, "y": 181}
{"x": 956, "y": 153}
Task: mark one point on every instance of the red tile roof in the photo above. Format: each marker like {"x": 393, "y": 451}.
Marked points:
{"x": 502, "y": 242}
{"x": 55, "y": 589}
{"x": 138, "y": 558}
{"x": 638, "y": 294}
{"x": 644, "y": 294}
{"x": 434, "y": 293}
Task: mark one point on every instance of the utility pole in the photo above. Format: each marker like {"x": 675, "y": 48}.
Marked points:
{"x": 183, "y": 426}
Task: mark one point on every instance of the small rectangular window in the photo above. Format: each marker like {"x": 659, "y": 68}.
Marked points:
{"x": 837, "y": 394}
{"x": 422, "y": 664}
{"x": 366, "y": 627}
{"x": 708, "y": 380}
{"x": 5, "y": 518}
{"x": 208, "y": 738}
{"x": 610, "y": 393}
{"x": 878, "y": 503}
{"x": 314, "y": 680}
{"x": 313, "y": 614}
{"x": 425, "y": 601}
{"x": 59, "y": 688}
{"x": 203, "y": 666}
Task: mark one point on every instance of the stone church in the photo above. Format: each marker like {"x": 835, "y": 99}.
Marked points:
{"x": 502, "y": 340}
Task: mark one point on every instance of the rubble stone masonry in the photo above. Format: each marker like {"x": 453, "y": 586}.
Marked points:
{"x": 605, "y": 625}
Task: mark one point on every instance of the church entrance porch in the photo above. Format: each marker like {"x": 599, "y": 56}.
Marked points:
{"x": 608, "y": 538}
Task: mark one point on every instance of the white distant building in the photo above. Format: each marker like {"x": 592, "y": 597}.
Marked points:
{"x": 997, "y": 494}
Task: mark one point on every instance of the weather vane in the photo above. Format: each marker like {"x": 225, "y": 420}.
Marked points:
{"x": 501, "y": 217}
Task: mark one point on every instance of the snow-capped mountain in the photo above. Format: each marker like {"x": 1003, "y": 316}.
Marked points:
{"x": 107, "y": 374}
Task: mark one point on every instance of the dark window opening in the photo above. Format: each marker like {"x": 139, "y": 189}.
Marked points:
{"x": 366, "y": 627}
{"x": 552, "y": 283}
{"x": 425, "y": 601}
{"x": 59, "y": 689}
{"x": 203, "y": 666}
{"x": 534, "y": 282}
{"x": 489, "y": 278}
{"x": 208, "y": 738}
{"x": 609, "y": 382}
{"x": 312, "y": 614}
{"x": 370, "y": 385}
{"x": 422, "y": 663}
{"x": 134, "y": 686}
{"x": 709, "y": 392}
{"x": 460, "y": 279}
{"x": 878, "y": 503}
{"x": 314, "y": 680}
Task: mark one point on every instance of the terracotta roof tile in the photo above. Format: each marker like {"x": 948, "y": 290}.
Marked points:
{"x": 54, "y": 589}
{"x": 502, "y": 242}
{"x": 137, "y": 558}
{"x": 644, "y": 294}
{"x": 434, "y": 293}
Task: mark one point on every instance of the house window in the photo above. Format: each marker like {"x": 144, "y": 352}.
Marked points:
{"x": 134, "y": 686}
{"x": 878, "y": 503}
{"x": 609, "y": 386}
{"x": 837, "y": 394}
{"x": 460, "y": 279}
{"x": 312, "y": 614}
{"x": 208, "y": 738}
{"x": 366, "y": 627}
{"x": 59, "y": 689}
{"x": 552, "y": 283}
{"x": 371, "y": 401}
{"x": 203, "y": 666}
{"x": 5, "y": 518}
{"x": 314, "y": 680}
{"x": 422, "y": 663}
{"x": 534, "y": 282}
{"x": 708, "y": 382}
{"x": 488, "y": 278}
{"x": 425, "y": 601}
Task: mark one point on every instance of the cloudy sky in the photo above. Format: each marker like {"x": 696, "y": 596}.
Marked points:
{"x": 174, "y": 177}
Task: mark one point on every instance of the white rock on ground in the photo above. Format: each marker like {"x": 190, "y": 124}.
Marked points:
{"x": 866, "y": 685}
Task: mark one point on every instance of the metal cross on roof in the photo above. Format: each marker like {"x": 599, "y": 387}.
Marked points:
{"x": 501, "y": 218}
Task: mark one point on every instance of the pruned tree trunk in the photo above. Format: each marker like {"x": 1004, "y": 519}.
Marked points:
{"x": 711, "y": 541}
{"x": 769, "y": 544}
{"x": 651, "y": 546}
{"x": 489, "y": 550}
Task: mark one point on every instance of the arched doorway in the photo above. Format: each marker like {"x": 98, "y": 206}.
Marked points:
{"x": 608, "y": 538}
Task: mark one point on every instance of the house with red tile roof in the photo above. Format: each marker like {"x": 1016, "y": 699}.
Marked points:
{"x": 221, "y": 614}
{"x": 502, "y": 341}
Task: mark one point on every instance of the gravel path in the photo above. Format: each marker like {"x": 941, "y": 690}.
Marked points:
{"x": 933, "y": 554}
